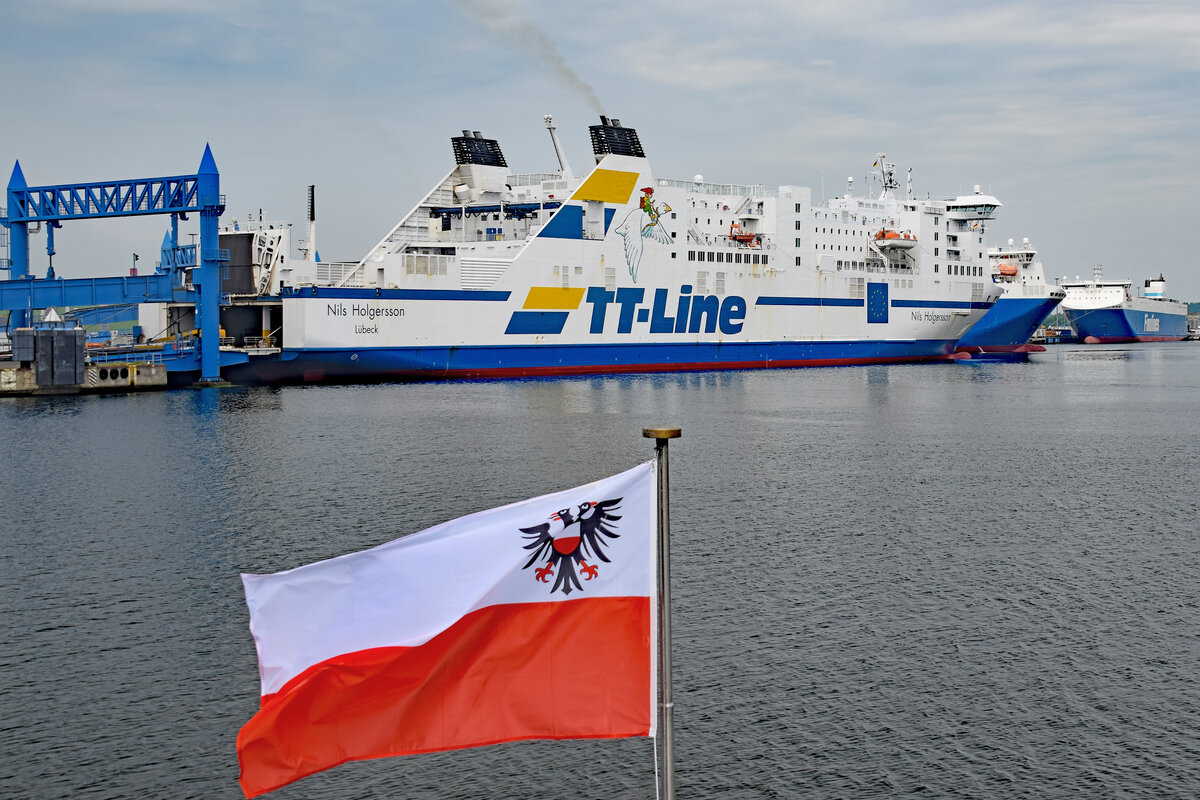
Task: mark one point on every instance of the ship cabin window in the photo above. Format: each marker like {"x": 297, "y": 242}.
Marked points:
{"x": 720, "y": 257}
{"x": 712, "y": 256}
{"x": 797, "y": 243}
{"x": 798, "y": 208}
{"x": 756, "y": 259}
{"x": 798, "y": 227}
{"x": 935, "y": 251}
{"x": 691, "y": 255}
{"x": 672, "y": 234}
{"x": 673, "y": 254}
{"x": 797, "y": 261}
{"x": 935, "y": 268}
{"x": 672, "y": 215}
{"x": 709, "y": 221}
{"x": 935, "y": 236}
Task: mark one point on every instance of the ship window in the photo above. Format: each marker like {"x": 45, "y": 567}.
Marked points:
{"x": 720, "y": 283}
{"x": 579, "y": 270}
{"x": 935, "y": 268}
{"x": 672, "y": 254}
{"x": 691, "y": 255}
{"x": 712, "y": 256}
{"x": 797, "y": 261}
{"x": 756, "y": 259}
{"x": 700, "y": 281}
{"x": 672, "y": 234}
{"x": 798, "y": 228}
{"x": 720, "y": 257}
{"x": 935, "y": 236}
{"x": 798, "y": 209}
{"x": 672, "y": 215}
{"x": 935, "y": 251}
{"x": 764, "y": 260}
{"x": 797, "y": 243}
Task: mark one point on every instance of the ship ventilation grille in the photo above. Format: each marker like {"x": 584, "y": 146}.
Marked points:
{"x": 471, "y": 148}
{"x": 610, "y": 137}
{"x": 481, "y": 273}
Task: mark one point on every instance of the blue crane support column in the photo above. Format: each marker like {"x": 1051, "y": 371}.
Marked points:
{"x": 208, "y": 283}
{"x": 18, "y": 243}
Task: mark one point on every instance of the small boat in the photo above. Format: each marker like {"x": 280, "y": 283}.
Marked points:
{"x": 895, "y": 239}
{"x": 740, "y": 235}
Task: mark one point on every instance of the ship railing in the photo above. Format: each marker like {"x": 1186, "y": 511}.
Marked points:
{"x": 742, "y": 189}
{"x": 339, "y": 273}
{"x": 533, "y": 178}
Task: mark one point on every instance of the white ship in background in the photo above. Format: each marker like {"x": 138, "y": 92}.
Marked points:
{"x": 1005, "y": 330}
{"x": 496, "y": 273}
{"x": 1107, "y": 311}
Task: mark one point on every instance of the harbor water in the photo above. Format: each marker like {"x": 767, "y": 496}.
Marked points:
{"x": 956, "y": 581}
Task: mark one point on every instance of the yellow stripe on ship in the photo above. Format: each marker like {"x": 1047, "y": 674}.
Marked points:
{"x": 607, "y": 186}
{"x": 553, "y": 297}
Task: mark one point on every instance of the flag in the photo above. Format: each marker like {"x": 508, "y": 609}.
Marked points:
{"x": 876, "y": 164}
{"x": 535, "y": 620}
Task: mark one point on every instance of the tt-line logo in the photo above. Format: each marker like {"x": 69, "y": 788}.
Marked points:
{"x": 691, "y": 313}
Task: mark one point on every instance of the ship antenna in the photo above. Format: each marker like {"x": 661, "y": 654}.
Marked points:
{"x": 563, "y": 166}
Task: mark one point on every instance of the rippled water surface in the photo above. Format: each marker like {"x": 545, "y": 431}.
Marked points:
{"x": 970, "y": 580}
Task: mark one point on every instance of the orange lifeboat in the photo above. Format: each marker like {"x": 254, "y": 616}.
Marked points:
{"x": 738, "y": 234}
{"x": 1006, "y": 269}
{"x": 889, "y": 238}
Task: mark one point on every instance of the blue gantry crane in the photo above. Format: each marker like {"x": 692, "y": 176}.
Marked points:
{"x": 176, "y": 195}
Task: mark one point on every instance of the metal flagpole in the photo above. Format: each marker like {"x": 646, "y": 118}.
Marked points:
{"x": 666, "y": 704}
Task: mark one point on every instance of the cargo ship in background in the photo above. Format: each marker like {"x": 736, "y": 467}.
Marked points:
{"x": 1005, "y": 330}
{"x": 1104, "y": 311}
{"x": 501, "y": 274}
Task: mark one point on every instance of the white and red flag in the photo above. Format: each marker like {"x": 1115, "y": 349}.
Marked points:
{"x": 536, "y": 620}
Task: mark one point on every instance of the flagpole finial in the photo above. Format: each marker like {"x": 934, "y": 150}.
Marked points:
{"x": 661, "y": 433}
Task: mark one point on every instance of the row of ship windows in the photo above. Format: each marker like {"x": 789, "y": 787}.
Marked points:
{"x": 732, "y": 258}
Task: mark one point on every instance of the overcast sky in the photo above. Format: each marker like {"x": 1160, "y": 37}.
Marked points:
{"x": 1082, "y": 117}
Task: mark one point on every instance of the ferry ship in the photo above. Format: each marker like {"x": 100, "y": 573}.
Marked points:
{"x": 1005, "y": 330}
{"x": 1106, "y": 311}
{"x": 501, "y": 274}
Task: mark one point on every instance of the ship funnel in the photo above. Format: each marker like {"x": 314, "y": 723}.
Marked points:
{"x": 311, "y": 244}
{"x": 472, "y": 148}
{"x": 610, "y": 138}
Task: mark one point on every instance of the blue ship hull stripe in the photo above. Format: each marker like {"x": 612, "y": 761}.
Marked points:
{"x": 395, "y": 294}
{"x": 808, "y": 301}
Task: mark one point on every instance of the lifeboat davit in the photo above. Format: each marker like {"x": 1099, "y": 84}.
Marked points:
{"x": 738, "y": 234}
{"x": 896, "y": 240}
{"x": 1006, "y": 269}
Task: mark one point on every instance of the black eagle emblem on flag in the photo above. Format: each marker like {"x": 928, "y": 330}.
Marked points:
{"x": 582, "y": 535}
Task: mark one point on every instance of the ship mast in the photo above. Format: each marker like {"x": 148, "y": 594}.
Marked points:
{"x": 563, "y": 166}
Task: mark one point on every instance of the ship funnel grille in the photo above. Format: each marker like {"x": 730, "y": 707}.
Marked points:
{"x": 471, "y": 148}
{"x": 610, "y": 137}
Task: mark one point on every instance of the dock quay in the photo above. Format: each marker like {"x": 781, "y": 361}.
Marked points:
{"x": 53, "y": 361}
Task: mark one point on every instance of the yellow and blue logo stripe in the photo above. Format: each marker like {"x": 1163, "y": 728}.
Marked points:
{"x": 545, "y": 310}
